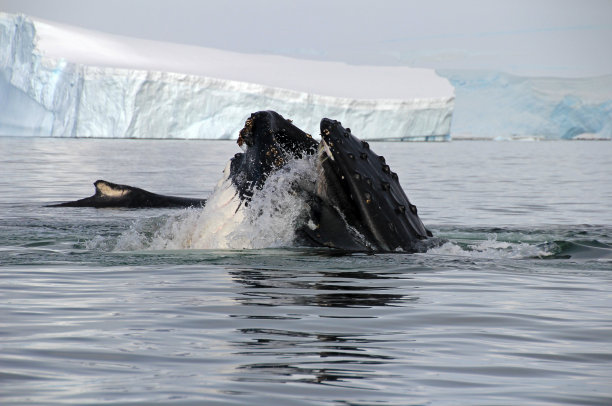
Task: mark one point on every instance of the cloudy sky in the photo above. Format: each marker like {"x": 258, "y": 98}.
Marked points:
{"x": 528, "y": 37}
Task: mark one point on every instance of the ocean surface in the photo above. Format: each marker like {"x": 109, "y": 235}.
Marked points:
{"x": 515, "y": 308}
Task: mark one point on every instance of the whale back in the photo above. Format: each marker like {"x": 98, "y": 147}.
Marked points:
{"x": 108, "y": 194}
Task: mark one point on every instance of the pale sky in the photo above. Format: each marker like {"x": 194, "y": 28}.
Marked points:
{"x": 529, "y": 37}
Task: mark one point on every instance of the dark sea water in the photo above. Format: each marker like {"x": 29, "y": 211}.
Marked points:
{"x": 516, "y": 308}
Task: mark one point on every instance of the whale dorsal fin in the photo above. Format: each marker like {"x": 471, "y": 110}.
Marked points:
{"x": 110, "y": 194}
{"x": 112, "y": 190}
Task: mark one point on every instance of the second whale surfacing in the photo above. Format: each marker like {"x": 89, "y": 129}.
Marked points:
{"x": 110, "y": 194}
{"x": 354, "y": 201}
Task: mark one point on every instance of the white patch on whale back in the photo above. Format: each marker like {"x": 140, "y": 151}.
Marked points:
{"x": 110, "y": 191}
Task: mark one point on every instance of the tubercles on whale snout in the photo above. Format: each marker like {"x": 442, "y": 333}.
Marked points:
{"x": 380, "y": 210}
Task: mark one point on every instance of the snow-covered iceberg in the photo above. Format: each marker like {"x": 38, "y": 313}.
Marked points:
{"x": 494, "y": 105}
{"x": 63, "y": 81}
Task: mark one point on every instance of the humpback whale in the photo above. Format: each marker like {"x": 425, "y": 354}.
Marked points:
{"x": 109, "y": 194}
{"x": 359, "y": 198}
{"x": 355, "y": 200}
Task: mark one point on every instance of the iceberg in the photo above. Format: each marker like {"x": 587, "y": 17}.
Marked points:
{"x": 495, "y": 105}
{"x": 63, "y": 81}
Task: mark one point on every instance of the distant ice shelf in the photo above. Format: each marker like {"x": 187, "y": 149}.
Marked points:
{"x": 500, "y": 106}
{"x": 62, "y": 81}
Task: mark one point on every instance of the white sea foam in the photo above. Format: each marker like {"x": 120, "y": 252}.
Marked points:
{"x": 491, "y": 249}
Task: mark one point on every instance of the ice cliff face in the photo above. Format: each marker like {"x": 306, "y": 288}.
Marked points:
{"x": 50, "y": 96}
{"x": 503, "y": 106}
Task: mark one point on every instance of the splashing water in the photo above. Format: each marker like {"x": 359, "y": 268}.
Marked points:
{"x": 269, "y": 220}
{"x": 277, "y": 210}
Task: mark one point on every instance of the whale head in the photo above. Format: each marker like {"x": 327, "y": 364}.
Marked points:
{"x": 269, "y": 141}
{"x": 360, "y": 202}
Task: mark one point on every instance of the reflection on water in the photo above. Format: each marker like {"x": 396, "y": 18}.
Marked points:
{"x": 306, "y": 356}
{"x": 267, "y": 288}
{"x": 350, "y": 357}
